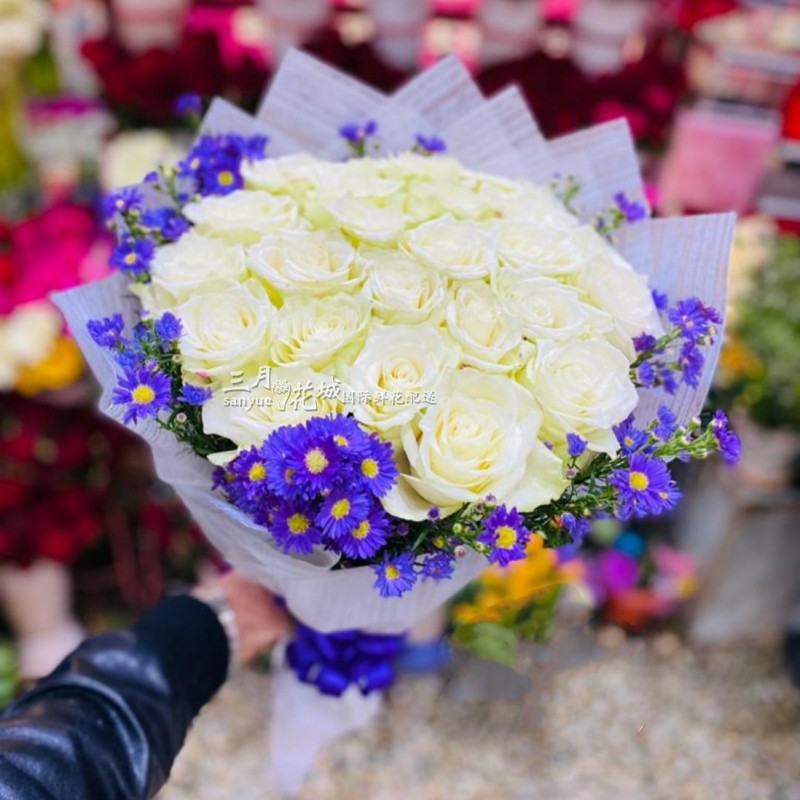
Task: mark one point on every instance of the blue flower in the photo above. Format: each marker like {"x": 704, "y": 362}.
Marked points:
{"x": 730, "y": 447}
{"x": 133, "y": 256}
{"x": 666, "y": 424}
{"x": 168, "y": 327}
{"x": 630, "y": 438}
{"x": 249, "y": 485}
{"x": 576, "y": 527}
{"x": 275, "y": 451}
{"x": 576, "y": 446}
{"x": 194, "y": 395}
{"x": 356, "y": 134}
{"x": 646, "y": 375}
{"x": 504, "y": 531}
{"x": 367, "y": 537}
{"x": 188, "y": 105}
{"x": 644, "y": 488}
{"x": 632, "y": 210}
{"x": 168, "y": 222}
{"x": 144, "y": 391}
{"x": 660, "y": 299}
{"x": 341, "y": 512}
{"x": 691, "y": 363}
{"x": 312, "y": 461}
{"x": 121, "y": 201}
{"x": 107, "y": 332}
{"x": 376, "y": 469}
{"x": 431, "y": 144}
{"x": 292, "y": 526}
{"x": 395, "y": 575}
{"x": 214, "y": 163}
{"x": 437, "y": 566}
{"x": 643, "y": 342}
{"x": 695, "y": 320}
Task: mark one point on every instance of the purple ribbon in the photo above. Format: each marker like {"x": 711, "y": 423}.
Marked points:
{"x": 334, "y": 661}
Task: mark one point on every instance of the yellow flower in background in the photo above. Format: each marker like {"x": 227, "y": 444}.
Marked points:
{"x": 61, "y": 367}
{"x": 737, "y": 361}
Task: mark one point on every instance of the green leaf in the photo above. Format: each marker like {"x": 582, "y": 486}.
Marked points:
{"x": 488, "y": 640}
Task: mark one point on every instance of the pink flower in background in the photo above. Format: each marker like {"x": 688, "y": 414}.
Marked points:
{"x": 48, "y": 252}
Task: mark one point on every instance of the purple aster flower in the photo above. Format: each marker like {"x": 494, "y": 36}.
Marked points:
{"x": 356, "y": 134}
{"x": 644, "y": 341}
{"x": 144, "y": 391}
{"x": 293, "y": 527}
{"x": 249, "y": 483}
{"x": 107, "y": 332}
{"x": 188, "y": 105}
{"x": 577, "y": 527}
{"x": 632, "y": 210}
{"x": 691, "y": 363}
{"x": 730, "y": 447}
{"x": 275, "y": 450}
{"x": 666, "y": 424}
{"x": 341, "y": 512}
{"x": 668, "y": 380}
{"x": 630, "y": 438}
{"x": 376, "y": 469}
{"x": 367, "y": 537}
{"x": 646, "y": 375}
{"x": 644, "y": 488}
{"x": 253, "y": 147}
{"x": 504, "y": 531}
{"x": 121, "y": 201}
{"x": 395, "y": 575}
{"x": 431, "y": 144}
{"x": 168, "y": 327}
{"x": 350, "y": 439}
{"x": 660, "y": 299}
{"x": 133, "y": 256}
{"x": 576, "y": 446}
{"x": 194, "y": 395}
{"x": 695, "y": 319}
{"x": 312, "y": 460}
{"x": 168, "y": 222}
{"x": 437, "y": 566}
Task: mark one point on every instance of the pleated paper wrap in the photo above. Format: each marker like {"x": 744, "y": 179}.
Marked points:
{"x": 302, "y": 111}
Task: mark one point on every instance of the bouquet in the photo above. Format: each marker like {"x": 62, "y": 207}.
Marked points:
{"x": 379, "y": 345}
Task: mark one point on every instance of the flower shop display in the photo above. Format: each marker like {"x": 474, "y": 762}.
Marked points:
{"x": 759, "y": 374}
{"x": 407, "y": 342}
{"x": 635, "y": 581}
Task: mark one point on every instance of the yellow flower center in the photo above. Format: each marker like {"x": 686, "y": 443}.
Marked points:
{"x": 506, "y": 537}
{"x": 130, "y": 259}
{"x": 298, "y": 524}
{"x": 287, "y": 474}
{"x": 315, "y": 461}
{"x": 143, "y": 394}
{"x": 628, "y": 441}
{"x": 391, "y": 572}
{"x": 257, "y": 471}
{"x": 340, "y": 509}
{"x": 225, "y": 178}
{"x": 341, "y": 440}
{"x": 369, "y": 467}
{"x": 361, "y": 530}
{"x": 638, "y": 481}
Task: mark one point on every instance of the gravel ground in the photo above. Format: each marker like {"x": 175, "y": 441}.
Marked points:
{"x": 646, "y": 719}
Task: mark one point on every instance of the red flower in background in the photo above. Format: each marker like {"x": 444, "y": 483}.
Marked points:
{"x": 142, "y": 88}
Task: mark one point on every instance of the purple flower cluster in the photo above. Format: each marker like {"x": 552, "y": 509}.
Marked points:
{"x": 356, "y": 134}
{"x": 430, "y": 144}
{"x": 644, "y": 488}
{"x": 631, "y": 210}
{"x": 316, "y": 483}
{"x": 695, "y": 326}
{"x": 505, "y": 533}
{"x": 214, "y": 164}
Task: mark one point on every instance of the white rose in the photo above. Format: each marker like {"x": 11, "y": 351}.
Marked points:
{"x": 131, "y": 154}
{"x": 313, "y": 331}
{"x": 547, "y": 309}
{"x": 400, "y": 290}
{"x": 365, "y": 219}
{"x": 613, "y": 286}
{"x": 247, "y": 412}
{"x": 225, "y": 329}
{"x": 30, "y": 331}
{"x": 301, "y": 262}
{"x": 541, "y": 250}
{"x": 243, "y": 216}
{"x": 295, "y": 174}
{"x": 398, "y": 370}
{"x": 583, "y": 387}
{"x": 525, "y": 202}
{"x": 181, "y": 269}
{"x": 362, "y": 177}
{"x": 480, "y": 439}
{"x": 426, "y": 200}
{"x": 458, "y": 249}
{"x": 489, "y": 336}
{"x": 410, "y": 166}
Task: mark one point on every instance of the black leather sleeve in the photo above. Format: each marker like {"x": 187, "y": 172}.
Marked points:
{"x": 109, "y": 722}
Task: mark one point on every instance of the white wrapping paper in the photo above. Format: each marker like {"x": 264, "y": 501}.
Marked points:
{"x": 303, "y": 109}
